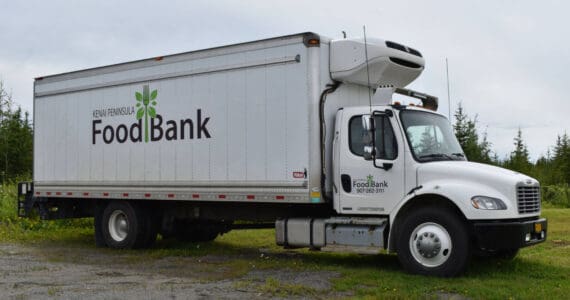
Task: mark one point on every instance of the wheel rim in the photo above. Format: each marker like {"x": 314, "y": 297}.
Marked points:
{"x": 118, "y": 225}
{"x": 430, "y": 244}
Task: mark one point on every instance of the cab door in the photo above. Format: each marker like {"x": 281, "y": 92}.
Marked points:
{"x": 363, "y": 188}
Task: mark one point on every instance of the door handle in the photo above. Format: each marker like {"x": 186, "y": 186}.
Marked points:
{"x": 346, "y": 183}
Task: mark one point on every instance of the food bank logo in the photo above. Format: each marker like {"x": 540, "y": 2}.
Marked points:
{"x": 149, "y": 123}
{"x": 368, "y": 185}
{"x": 146, "y": 108}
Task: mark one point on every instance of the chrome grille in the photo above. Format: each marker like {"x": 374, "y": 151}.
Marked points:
{"x": 528, "y": 199}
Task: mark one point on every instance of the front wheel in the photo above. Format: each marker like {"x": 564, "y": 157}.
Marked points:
{"x": 433, "y": 242}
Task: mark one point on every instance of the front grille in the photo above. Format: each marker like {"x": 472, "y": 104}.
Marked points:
{"x": 528, "y": 199}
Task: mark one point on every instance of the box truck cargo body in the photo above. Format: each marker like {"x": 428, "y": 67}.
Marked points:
{"x": 299, "y": 131}
{"x": 234, "y": 120}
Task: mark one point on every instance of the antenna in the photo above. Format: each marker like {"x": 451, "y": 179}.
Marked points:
{"x": 367, "y": 68}
{"x": 448, "y": 97}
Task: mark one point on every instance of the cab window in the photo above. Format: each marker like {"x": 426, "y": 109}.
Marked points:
{"x": 386, "y": 145}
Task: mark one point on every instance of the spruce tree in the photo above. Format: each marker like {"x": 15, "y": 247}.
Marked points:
{"x": 519, "y": 159}
{"x": 465, "y": 130}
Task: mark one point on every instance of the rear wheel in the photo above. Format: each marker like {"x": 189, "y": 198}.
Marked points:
{"x": 124, "y": 225}
{"x": 433, "y": 242}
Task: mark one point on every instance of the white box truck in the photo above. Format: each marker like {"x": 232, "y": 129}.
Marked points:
{"x": 296, "y": 132}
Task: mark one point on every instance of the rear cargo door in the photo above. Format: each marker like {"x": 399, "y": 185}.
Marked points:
{"x": 364, "y": 188}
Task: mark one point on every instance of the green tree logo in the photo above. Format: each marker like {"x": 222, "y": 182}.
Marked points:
{"x": 146, "y": 103}
{"x": 369, "y": 179}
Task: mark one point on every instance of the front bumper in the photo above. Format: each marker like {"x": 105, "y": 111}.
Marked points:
{"x": 509, "y": 235}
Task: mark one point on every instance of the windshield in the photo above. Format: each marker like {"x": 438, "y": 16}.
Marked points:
{"x": 430, "y": 136}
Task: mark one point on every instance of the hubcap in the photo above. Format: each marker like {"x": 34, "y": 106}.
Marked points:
{"x": 118, "y": 225}
{"x": 430, "y": 244}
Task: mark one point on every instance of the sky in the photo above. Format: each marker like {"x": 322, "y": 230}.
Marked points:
{"x": 507, "y": 59}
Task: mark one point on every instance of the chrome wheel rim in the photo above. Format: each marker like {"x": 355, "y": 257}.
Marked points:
{"x": 430, "y": 244}
{"x": 118, "y": 225}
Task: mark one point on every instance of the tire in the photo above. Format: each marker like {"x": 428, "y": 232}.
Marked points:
{"x": 98, "y": 224}
{"x": 152, "y": 223}
{"x": 433, "y": 242}
{"x": 124, "y": 226}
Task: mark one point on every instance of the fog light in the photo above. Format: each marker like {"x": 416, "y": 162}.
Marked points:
{"x": 542, "y": 235}
{"x": 527, "y": 237}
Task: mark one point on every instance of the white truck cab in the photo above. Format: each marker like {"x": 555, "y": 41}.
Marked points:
{"x": 405, "y": 163}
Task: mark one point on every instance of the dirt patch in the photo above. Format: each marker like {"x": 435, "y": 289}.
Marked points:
{"x": 32, "y": 272}
{"x": 560, "y": 243}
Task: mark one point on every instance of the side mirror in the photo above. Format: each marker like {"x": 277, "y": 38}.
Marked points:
{"x": 368, "y": 153}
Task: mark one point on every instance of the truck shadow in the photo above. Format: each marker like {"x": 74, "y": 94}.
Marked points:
{"x": 222, "y": 252}
{"x": 494, "y": 267}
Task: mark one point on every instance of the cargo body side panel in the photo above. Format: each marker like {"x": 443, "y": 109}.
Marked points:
{"x": 234, "y": 123}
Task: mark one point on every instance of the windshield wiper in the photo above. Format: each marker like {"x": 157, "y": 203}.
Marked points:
{"x": 458, "y": 154}
{"x": 436, "y": 155}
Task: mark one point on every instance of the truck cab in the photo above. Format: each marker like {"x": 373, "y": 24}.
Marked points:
{"x": 404, "y": 163}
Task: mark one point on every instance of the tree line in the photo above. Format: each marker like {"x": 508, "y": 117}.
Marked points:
{"x": 15, "y": 139}
{"x": 550, "y": 169}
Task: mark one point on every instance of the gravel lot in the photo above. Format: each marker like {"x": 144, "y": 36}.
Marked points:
{"x": 39, "y": 272}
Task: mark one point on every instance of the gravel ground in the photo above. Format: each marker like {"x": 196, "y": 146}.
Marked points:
{"x": 39, "y": 272}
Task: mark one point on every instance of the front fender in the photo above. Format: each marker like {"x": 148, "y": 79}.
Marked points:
{"x": 459, "y": 194}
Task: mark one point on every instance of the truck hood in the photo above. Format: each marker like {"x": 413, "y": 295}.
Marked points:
{"x": 493, "y": 179}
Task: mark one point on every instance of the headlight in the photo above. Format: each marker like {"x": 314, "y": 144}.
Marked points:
{"x": 483, "y": 202}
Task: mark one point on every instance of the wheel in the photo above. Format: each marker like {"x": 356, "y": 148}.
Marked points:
{"x": 123, "y": 226}
{"x": 98, "y": 224}
{"x": 152, "y": 223}
{"x": 434, "y": 242}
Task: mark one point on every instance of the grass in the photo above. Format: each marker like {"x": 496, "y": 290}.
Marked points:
{"x": 542, "y": 271}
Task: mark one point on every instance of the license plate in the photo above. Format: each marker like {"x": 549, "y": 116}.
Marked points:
{"x": 537, "y": 227}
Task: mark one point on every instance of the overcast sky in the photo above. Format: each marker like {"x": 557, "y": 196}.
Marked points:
{"x": 507, "y": 59}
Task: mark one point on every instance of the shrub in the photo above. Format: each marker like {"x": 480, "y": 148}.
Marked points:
{"x": 556, "y": 195}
